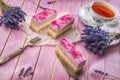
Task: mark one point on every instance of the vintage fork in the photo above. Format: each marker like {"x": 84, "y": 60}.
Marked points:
{"x": 19, "y": 51}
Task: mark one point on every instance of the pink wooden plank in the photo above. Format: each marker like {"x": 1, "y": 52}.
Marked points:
{"x": 61, "y": 6}
{"x": 32, "y": 53}
{"x": 14, "y": 42}
{"x": 80, "y": 46}
{"x": 3, "y": 39}
{"x": 4, "y": 30}
{"x": 30, "y": 7}
{"x": 14, "y": 31}
{"x": 40, "y": 67}
{"x": 27, "y": 59}
{"x": 104, "y": 61}
{"x": 45, "y": 63}
{"x": 95, "y": 62}
{"x": 15, "y": 3}
{"x": 59, "y": 72}
{"x": 112, "y": 61}
{"x": 74, "y": 10}
{"x": 91, "y": 58}
{"x": 44, "y": 4}
{"x": 34, "y": 58}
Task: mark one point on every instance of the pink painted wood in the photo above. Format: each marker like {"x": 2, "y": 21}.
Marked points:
{"x": 57, "y": 69}
{"x": 30, "y": 53}
{"x": 13, "y": 43}
{"x": 45, "y": 64}
{"x": 44, "y": 54}
{"x": 6, "y": 32}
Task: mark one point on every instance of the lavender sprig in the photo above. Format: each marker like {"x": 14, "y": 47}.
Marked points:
{"x": 11, "y": 16}
{"x": 97, "y": 40}
{"x": 100, "y": 72}
{"x": 51, "y": 2}
{"x": 25, "y": 72}
{"x": 21, "y": 72}
{"x": 106, "y": 74}
{"x": 43, "y": 8}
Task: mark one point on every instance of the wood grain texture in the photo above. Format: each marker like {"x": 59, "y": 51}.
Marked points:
{"x": 93, "y": 61}
{"x": 90, "y": 57}
{"x": 59, "y": 72}
{"x": 13, "y": 43}
{"x": 46, "y": 59}
{"x": 3, "y": 39}
{"x": 27, "y": 59}
{"x": 30, "y": 55}
{"x": 112, "y": 60}
{"x": 74, "y": 11}
{"x": 81, "y": 48}
{"x": 44, "y": 62}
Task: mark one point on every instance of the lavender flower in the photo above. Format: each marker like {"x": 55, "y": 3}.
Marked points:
{"x": 11, "y": 16}
{"x": 97, "y": 40}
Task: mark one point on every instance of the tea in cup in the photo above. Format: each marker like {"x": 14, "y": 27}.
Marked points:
{"x": 102, "y": 11}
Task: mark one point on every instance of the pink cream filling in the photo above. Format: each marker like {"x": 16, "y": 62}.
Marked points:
{"x": 61, "y": 22}
{"x": 72, "y": 50}
{"x": 43, "y": 15}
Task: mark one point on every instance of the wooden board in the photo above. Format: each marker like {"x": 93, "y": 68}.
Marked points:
{"x": 45, "y": 64}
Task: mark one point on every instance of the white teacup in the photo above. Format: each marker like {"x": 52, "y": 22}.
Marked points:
{"x": 102, "y": 11}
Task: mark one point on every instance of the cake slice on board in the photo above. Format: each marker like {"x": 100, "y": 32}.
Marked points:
{"x": 60, "y": 25}
{"x": 70, "y": 57}
{"x": 42, "y": 19}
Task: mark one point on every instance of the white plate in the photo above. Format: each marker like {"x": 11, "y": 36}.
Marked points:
{"x": 87, "y": 19}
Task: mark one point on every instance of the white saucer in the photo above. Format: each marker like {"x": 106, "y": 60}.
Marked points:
{"x": 87, "y": 19}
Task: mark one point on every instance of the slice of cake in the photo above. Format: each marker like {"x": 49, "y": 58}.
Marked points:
{"x": 42, "y": 19}
{"x": 71, "y": 58}
{"x": 60, "y": 25}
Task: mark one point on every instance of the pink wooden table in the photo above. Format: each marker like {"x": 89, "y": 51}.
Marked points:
{"x": 42, "y": 59}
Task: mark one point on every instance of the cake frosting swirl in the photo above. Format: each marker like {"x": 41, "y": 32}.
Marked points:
{"x": 72, "y": 50}
{"x": 44, "y": 15}
{"x": 42, "y": 19}
{"x": 61, "y": 22}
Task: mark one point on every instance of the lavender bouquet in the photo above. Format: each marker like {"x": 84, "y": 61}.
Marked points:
{"x": 97, "y": 40}
{"x": 11, "y": 16}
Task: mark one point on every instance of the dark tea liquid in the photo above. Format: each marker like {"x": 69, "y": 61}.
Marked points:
{"x": 103, "y": 11}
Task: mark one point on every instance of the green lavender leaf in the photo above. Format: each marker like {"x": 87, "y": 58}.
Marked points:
{"x": 3, "y": 5}
{"x": 114, "y": 36}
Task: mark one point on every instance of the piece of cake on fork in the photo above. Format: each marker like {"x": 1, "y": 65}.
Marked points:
{"x": 60, "y": 25}
{"x": 42, "y": 19}
{"x": 71, "y": 58}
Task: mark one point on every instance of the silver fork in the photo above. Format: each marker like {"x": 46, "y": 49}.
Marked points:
{"x": 8, "y": 57}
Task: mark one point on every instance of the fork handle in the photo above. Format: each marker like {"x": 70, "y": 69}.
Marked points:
{"x": 10, "y": 56}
